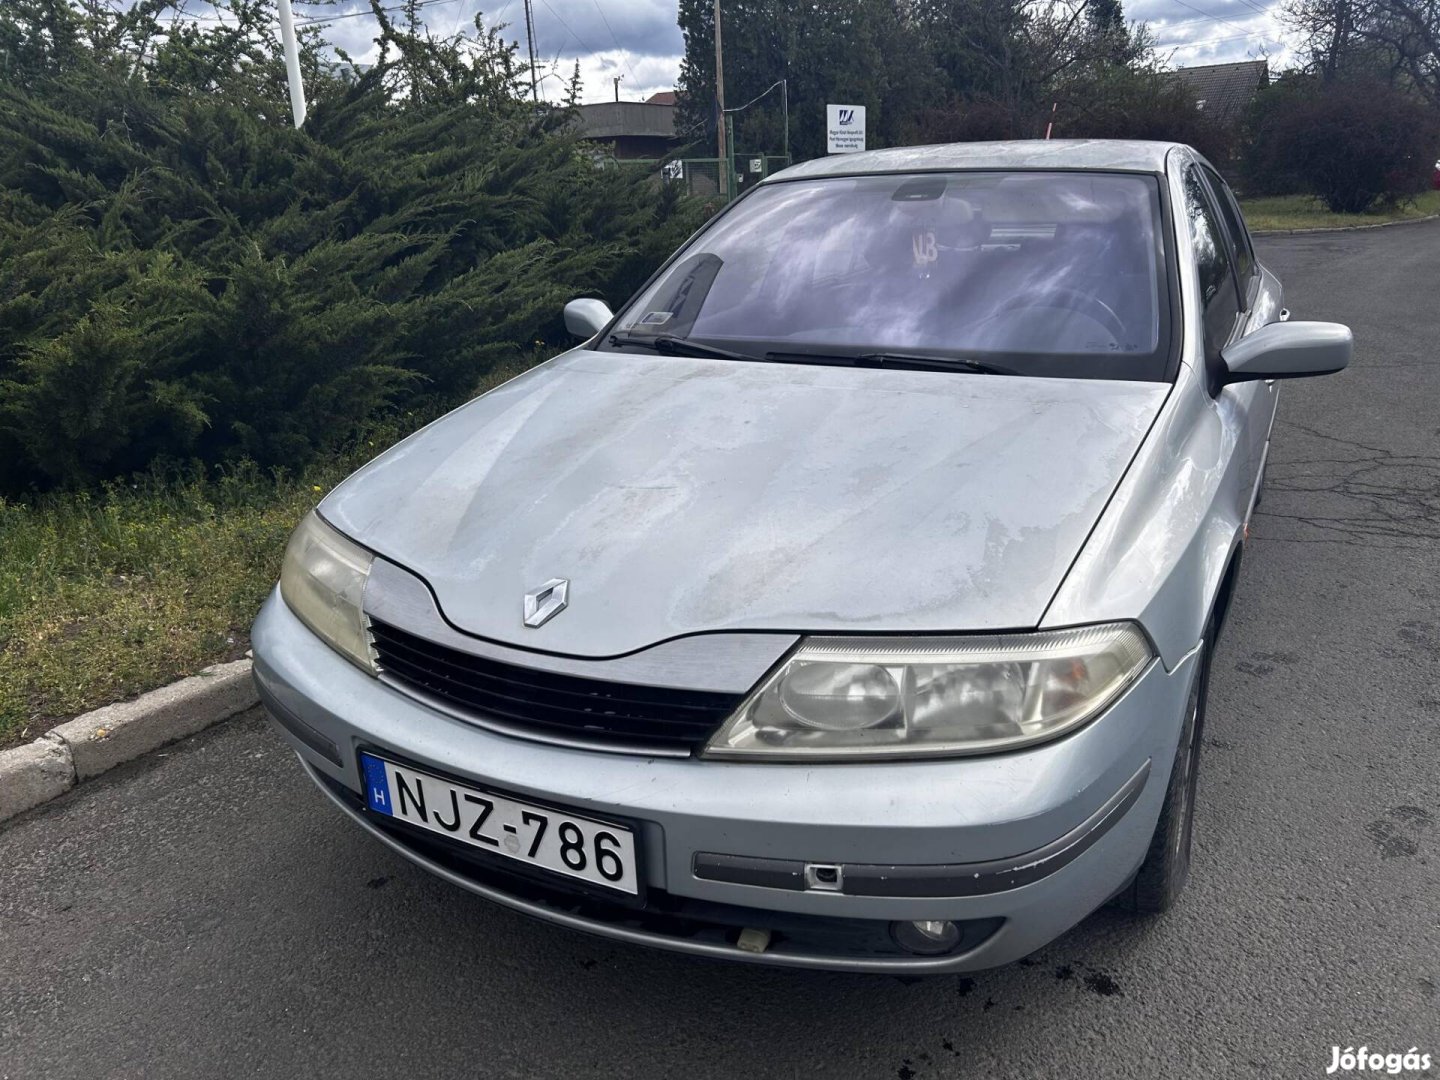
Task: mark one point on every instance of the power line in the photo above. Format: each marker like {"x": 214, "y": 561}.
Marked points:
{"x": 1208, "y": 15}
{"x": 623, "y": 54}
{"x": 455, "y": 26}
{"x": 1204, "y": 16}
{"x": 1189, "y": 20}
{"x": 1219, "y": 40}
{"x": 757, "y": 97}
{"x": 358, "y": 14}
{"x": 578, "y": 39}
{"x": 500, "y": 14}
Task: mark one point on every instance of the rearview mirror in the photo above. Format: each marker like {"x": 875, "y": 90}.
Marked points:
{"x": 586, "y": 318}
{"x": 1289, "y": 350}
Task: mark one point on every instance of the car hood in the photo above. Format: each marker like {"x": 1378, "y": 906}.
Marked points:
{"x": 684, "y": 495}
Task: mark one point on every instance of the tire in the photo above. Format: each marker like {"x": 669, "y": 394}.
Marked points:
{"x": 1161, "y": 878}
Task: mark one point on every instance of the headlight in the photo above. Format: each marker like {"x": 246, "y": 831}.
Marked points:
{"x": 322, "y": 581}
{"x": 848, "y": 698}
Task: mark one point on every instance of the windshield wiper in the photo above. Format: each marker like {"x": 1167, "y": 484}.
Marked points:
{"x": 939, "y": 363}
{"x": 911, "y": 361}
{"x": 679, "y": 346}
{"x": 671, "y": 345}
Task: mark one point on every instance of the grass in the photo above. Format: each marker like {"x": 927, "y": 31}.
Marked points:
{"x": 108, "y": 594}
{"x": 1306, "y": 212}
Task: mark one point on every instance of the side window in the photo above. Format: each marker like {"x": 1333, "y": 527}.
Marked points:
{"x": 1239, "y": 235}
{"x": 1218, "y": 293}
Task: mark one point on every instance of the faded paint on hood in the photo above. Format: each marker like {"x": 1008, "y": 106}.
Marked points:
{"x": 683, "y": 495}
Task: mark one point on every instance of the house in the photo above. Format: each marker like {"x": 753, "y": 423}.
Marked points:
{"x": 632, "y": 129}
{"x": 1224, "y": 91}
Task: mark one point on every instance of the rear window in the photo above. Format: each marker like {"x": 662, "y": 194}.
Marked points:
{"x": 1056, "y": 274}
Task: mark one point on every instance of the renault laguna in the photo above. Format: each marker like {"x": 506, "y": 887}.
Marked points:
{"x": 846, "y": 600}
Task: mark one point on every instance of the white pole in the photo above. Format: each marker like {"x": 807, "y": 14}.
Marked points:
{"x": 292, "y": 62}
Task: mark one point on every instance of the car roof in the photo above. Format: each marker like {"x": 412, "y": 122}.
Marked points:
{"x": 1125, "y": 155}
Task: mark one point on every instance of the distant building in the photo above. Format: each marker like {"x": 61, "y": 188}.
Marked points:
{"x": 632, "y": 129}
{"x": 1225, "y": 91}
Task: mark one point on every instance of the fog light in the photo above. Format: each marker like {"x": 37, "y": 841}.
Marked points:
{"x": 928, "y": 937}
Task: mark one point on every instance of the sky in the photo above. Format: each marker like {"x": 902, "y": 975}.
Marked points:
{"x": 639, "y": 41}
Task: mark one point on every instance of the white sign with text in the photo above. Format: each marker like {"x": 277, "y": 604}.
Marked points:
{"x": 844, "y": 129}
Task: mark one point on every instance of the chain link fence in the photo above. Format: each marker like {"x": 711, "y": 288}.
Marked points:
{"x": 701, "y": 176}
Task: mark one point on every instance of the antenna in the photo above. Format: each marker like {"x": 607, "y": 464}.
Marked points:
{"x": 530, "y": 39}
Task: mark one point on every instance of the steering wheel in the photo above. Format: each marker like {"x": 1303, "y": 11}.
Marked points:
{"x": 1066, "y": 299}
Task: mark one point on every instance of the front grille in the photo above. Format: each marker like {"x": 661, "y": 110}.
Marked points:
{"x": 549, "y": 704}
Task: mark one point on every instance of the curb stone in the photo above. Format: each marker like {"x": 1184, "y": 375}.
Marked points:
{"x": 98, "y": 741}
{"x": 1343, "y": 228}
{"x": 33, "y": 774}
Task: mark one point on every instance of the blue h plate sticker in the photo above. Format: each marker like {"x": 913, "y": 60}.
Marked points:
{"x": 377, "y": 784}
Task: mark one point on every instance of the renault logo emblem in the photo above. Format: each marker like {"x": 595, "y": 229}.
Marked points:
{"x": 546, "y": 602}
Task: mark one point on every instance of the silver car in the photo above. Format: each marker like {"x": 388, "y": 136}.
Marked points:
{"x": 845, "y": 601}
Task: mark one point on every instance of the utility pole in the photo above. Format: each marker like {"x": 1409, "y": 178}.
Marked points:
{"x": 292, "y": 63}
{"x": 722, "y": 168}
{"x": 617, "y": 79}
{"x": 530, "y": 39}
{"x": 785, "y": 112}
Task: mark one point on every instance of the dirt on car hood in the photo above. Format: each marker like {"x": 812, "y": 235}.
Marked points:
{"x": 684, "y": 495}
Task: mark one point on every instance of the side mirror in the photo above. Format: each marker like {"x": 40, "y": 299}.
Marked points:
{"x": 586, "y": 318}
{"x": 1289, "y": 350}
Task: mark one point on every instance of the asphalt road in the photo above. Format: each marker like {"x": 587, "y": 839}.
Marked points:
{"x": 205, "y": 913}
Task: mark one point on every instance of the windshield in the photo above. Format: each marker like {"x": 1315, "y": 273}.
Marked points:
{"x": 1057, "y": 274}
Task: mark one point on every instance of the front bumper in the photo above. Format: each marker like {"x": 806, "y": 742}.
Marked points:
{"x": 721, "y": 841}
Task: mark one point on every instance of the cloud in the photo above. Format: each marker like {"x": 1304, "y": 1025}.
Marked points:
{"x": 1193, "y": 32}
{"x": 636, "y": 39}
{"x": 640, "y": 41}
{"x": 640, "y": 76}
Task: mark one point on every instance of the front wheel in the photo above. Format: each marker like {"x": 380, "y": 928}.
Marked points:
{"x": 1162, "y": 876}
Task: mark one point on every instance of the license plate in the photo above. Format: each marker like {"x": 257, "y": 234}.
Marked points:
{"x": 598, "y": 852}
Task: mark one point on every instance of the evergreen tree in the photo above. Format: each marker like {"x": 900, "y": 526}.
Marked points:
{"x": 188, "y": 277}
